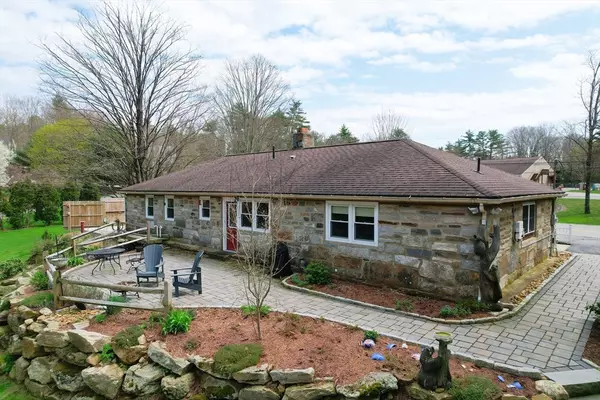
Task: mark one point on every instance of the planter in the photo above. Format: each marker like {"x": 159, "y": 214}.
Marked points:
{"x": 58, "y": 262}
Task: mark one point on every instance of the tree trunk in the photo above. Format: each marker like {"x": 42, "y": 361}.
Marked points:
{"x": 258, "y": 332}
{"x": 588, "y": 175}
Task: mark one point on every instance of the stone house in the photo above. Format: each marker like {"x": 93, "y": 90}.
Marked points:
{"x": 395, "y": 213}
{"x": 535, "y": 169}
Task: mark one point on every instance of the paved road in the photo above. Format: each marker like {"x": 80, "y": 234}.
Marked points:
{"x": 583, "y": 239}
{"x": 576, "y": 195}
{"x": 550, "y": 333}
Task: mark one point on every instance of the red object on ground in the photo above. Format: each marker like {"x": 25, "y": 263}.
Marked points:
{"x": 82, "y": 226}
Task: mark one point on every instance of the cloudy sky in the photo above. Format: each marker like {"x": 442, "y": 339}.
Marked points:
{"x": 447, "y": 66}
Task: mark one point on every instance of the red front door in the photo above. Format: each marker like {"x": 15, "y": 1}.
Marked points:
{"x": 232, "y": 239}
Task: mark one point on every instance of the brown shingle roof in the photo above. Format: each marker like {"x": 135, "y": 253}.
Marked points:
{"x": 515, "y": 166}
{"x": 395, "y": 168}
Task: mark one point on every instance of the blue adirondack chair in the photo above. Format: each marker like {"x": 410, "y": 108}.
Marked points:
{"x": 152, "y": 266}
{"x": 189, "y": 280}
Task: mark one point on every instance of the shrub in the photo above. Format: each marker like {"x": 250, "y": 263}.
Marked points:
{"x": 448, "y": 311}
{"x": 112, "y": 310}
{"x": 10, "y": 268}
{"x": 373, "y": 335}
{"x": 75, "y": 261}
{"x": 317, "y": 273}
{"x": 250, "y": 310}
{"x": 177, "y": 321}
{"x": 235, "y": 357}
{"x": 39, "y": 300}
{"x": 156, "y": 318}
{"x": 404, "y": 305}
{"x": 595, "y": 308}
{"x": 39, "y": 280}
{"x": 472, "y": 305}
{"x": 107, "y": 354}
{"x": 128, "y": 337}
{"x": 474, "y": 388}
{"x": 4, "y": 305}
{"x": 100, "y": 318}
{"x": 296, "y": 280}
{"x": 7, "y": 362}
{"x": 46, "y": 203}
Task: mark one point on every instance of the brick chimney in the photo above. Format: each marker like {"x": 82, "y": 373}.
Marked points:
{"x": 302, "y": 138}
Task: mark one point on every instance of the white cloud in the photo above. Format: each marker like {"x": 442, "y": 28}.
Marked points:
{"x": 414, "y": 63}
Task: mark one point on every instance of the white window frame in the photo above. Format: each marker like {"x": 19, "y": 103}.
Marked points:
{"x": 254, "y": 228}
{"x": 200, "y": 217}
{"x": 351, "y": 222}
{"x": 148, "y": 197}
{"x": 526, "y": 223}
{"x": 167, "y": 206}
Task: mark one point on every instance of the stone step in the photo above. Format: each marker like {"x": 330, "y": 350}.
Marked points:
{"x": 578, "y": 383}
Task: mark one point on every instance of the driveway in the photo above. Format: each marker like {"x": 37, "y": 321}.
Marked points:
{"x": 583, "y": 239}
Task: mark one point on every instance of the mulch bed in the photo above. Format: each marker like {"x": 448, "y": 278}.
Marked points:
{"x": 386, "y": 297}
{"x": 291, "y": 341}
{"x": 592, "y": 347}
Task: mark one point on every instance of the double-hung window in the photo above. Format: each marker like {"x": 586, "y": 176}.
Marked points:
{"x": 253, "y": 215}
{"x": 352, "y": 222}
{"x": 528, "y": 218}
{"x": 150, "y": 207}
{"x": 204, "y": 208}
{"x": 169, "y": 208}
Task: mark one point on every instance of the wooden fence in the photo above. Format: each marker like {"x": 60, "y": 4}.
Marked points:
{"x": 93, "y": 213}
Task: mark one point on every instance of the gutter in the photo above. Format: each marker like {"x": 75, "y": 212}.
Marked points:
{"x": 381, "y": 199}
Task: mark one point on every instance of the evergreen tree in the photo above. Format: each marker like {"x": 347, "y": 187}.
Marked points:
{"x": 296, "y": 116}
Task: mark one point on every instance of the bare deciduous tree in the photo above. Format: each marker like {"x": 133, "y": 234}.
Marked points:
{"x": 589, "y": 93}
{"x": 533, "y": 141}
{"x": 388, "y": 125}
{"x": 250, "y": 100}
{"x": 20, "y": 117}
{"x": 131, "y": 79}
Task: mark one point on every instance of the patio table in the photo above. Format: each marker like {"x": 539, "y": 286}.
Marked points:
{"x": 109, "y": 255}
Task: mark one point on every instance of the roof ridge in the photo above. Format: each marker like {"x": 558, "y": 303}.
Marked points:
{"x": 451, "y": 169}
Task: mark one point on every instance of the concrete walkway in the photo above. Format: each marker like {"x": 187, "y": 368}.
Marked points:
{"x": 550, "y": 333}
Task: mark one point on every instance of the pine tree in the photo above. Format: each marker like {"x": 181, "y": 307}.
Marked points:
{"x": 296, "y": 116}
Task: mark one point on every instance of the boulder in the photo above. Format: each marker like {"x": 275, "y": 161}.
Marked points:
{"x": 220, "y": 389}
{"x": 508, "y": 396}
{"x": 253, "y": 375}
{"x": 105, "y": 380}
{"x": 4, "y": 316}
{"x": 258, "y": 393}
{"x": 416, "y": 392}
{"x": 15, "y": 345}
{"x": 34, "y": 329}
{"x": 50, "y": 338}
{"x": 87, "y": 395}
{"x": 374, "y": 383}
{"x": 204, "y": 364}
{"x": 39, "y": 390}
{"x": 88, "y": 342}
{"x": 94, "y": 359}
{"x": 68, "y": 377}
{"x": 552, "y": 389}
{"x": 31, "y": 348}
{"x": 52, "y": 325}
{"x": 130, "y": 355}
{"x": 28, "y": 322}
{"x": 19, "y": 371}
{"x": 72, "y": 355}
{"x": 143, "y": 379}
{"x": 293, "y": 376}
{"x": 311, "y": 391}
{"x": 177, "y": 387}
{"x": 40, "y": 369}
{"x": 45, "y": 311}
{"x": 60, "y": 395}
{"x": 158, "y": 354}
{"x": 541, "y": 396}
{"x": 21, "y": 330}
{"x": 25, "y": 313}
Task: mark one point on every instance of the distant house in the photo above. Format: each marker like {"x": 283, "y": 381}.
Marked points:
{"x": 395, "y": 213}
{"x": 535, "y": 169}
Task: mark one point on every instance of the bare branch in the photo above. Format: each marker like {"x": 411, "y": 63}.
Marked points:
{"x": 388, "y": 125}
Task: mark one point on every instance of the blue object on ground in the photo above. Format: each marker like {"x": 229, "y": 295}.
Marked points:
{"x": 515, "y": 385}
{"x": 377, "y": 357}
{"x": 500, "y": 378}
{"x": 390, "y": 346}
{"x": 368, "y": 343}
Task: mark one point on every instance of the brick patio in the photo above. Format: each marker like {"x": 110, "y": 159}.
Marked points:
{"x": 550, "y": 333}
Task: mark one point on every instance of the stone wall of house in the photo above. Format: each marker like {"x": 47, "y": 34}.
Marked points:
{"x": 187, "y": 226}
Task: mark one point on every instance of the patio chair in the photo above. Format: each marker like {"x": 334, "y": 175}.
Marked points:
{"x": 189, "y": 280}
{"x": 152, "y": 266}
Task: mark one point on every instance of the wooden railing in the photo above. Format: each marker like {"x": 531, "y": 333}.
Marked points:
{"x": 105, "y": 238}
{"x": 166, "y": 291}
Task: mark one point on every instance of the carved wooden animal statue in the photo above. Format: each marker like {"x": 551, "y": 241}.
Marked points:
{"x": 435, "y": 372}
{"x": 489, "y": 282}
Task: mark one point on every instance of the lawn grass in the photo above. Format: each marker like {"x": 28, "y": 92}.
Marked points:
{"x": 574, "y": 212}
{"x": 19, "y": 242}
{"x": 10, "y": 390}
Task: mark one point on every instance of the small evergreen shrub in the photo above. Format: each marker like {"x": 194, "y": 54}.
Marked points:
{"x": 474, "y": 388}
{"x": 128, "y": 337}
{"x": 38, "y": 300}
{"x": 373, "y": 335}
{"x": 177, "y": 321}
{"x": 155, "y": 318}
{"x": 296, "y": 280}
{"x": 317, "y": 273}
{"x": 404, "y": 305}
{"x": 100, "y": 318}
{"x": 250, "y": 310}
{"x": 7, "y": 362}
{"x": 472, "y": 305}
{"x": 39, "y": 280}
{"x": 448, "y": 311}
{"x": 12, "y": 267}
{"x": 235, "y": 357}
{"x": 75, "y": 261}
{"x": 112, "y": 310}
